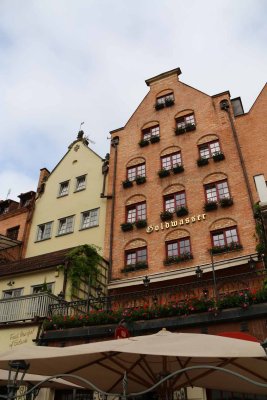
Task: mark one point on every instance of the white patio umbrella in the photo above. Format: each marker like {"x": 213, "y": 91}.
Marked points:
{"x": 203, "y": 360}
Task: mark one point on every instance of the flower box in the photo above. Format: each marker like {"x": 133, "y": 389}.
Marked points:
{"x": 166, "y": 215}
{"x": 163, "y": 172}
{"x": 155, "y": 139}
{"x": 210, "y": 206}
{"x": 140, "y": 179}
{"x": 135, "y": 267}
{"x": 127, "y": 226}
{"x": 226, "y": 202}
{"x": 224, "y": 249}
{"x": 218, "y": 156}
{"x": 178, "y": 169}
{"x": 180, "y": 212}
{"x": 169, "y": 102}
{"x": 143, "y": 142}
{"x": 159, "y": 106}
{"x": 126, "y": 184}
{"x": 190, "y": 127}
{"x": 178, "y": 259}
{"x": 202, "y": 161}
{"x": 180, "y": 131}
{"x": 141, "y": 223}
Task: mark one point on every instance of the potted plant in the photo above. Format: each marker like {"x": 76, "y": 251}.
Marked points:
{"x": 169, "y": 102}
{"x": 180, "y": 131}
{"x": 127, "y": 183}
{"x": 178, "y": 259}
{"x": 163, "y": 172}
{"x": 218, "y": 156}
{"x": 140, "y": 179}
{"x": 155, "y": 139}
{"x": 159, "y": 106}
{"x": 210, "y": 205}
{"x": 141, "y": 223}
{"x": 127, "y": 226}
{"x": 202, "y": 161}
{"x": 143, "y": 142}
{"x": 190, "y": 127}
{"x": 166, "y": 215}
{"x": 135, "y": 267}
{"x": 226, "y": 202}
{"x": 177, "y": 169}
{"x": 180, "y": 212}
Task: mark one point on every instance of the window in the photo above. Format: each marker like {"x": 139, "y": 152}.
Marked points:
{"x": 207, "y": 150}
{"x": 187, "y": 121}
{"x": 63, "y": 189}
{"x": 150, "y": 132}
{"x": 217, "y": 191}
{"x": 90, "y": 218}
{"x": 224, "y": 237}
{"x": 137, "y": 170}
{"x": 65, "y": 225}
{"x": 44, "y": 287}
{"x": 80, "y": 183}
{"x": 172, "y": 160}
{"x": 178, "y": 247}
{"x": 136, "y": 256}
{"x": 12, "y": 233}
{"x": 7, "y": 294}
{"x": 174, "y": 201}
{"x": 44, "y": 231}
{"x": 168, "y": 98}
{"x": 136, "y": 212}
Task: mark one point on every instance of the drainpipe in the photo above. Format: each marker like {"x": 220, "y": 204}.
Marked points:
{"x": 105, "y": 169}
{"x": 224, "y": 104}
{"x": 114, "y": 143}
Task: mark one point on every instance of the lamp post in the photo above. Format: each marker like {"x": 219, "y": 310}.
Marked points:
{"x": 199, "y": 274}
{"x": 17, "y": 371}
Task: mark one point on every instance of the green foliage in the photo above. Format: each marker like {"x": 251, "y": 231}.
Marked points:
{"x": 82, "y": 265}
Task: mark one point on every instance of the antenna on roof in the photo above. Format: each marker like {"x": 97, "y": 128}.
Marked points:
{"x": 81, "y": 125}
{"x": 8, "y": 193}
{"x": 81, "y": 135}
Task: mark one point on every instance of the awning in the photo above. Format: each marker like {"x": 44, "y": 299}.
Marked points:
{"x": 7, "y": 243}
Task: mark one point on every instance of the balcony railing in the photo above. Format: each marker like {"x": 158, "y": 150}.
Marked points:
{"x": 252, "y": 281}
{"x": 25, "y": 308}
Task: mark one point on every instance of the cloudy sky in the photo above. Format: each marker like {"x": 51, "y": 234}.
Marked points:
{"x": 68, "y": 61}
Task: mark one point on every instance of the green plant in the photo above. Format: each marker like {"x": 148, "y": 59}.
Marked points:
{"x": 260, "y": 231}
{"x": 135, "y": 267}
{"x": 169, "y": 102}
{"x": 210, "y": 205}
{"x": 218, "y": 156}
{"x": 202, "y": 161}
{"x": 143, "y": 142}
{"x": 127, "y": 226}
{"x": 180, "y": 131}
{"x": 159, "y": 106}
{"x": 166, "y": 215}
{"x": 126, "y": 184}
{"x": 180, "y": 212}
{"x": 178, "y": 259}
{"x": 163, "y": 172}
{"x": 223, "y": 249}
{"x": 141, "y": 223}
{"x": 82, "y": 265}
{"x": 177, "y": 169}
{"x": 155, "y": 139}
{"x": 226, "y": 202}
{"x": 140, "y": 179}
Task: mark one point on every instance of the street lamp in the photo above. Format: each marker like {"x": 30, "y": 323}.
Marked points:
{"x": 251, "y": 263}
{"x": 199, "y": 272}
{"x": 17, "y": 371}
{"x": 146, "y": 281}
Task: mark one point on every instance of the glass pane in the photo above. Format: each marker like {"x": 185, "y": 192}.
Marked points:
{"x": 223, "y": 190}
{"x": 176, "y": 159}
{"x": 166, "y": 162}
{"x": 169, "y": 204}
{"x": 131, "y": 215}
{"x": 80, "y": 183}
{"x": 204, "y": 152}
{"x": 141, "y": 211}
{"x": 211, "y": 193}
{"x": 180, "y": 200}
{"x": 141, "y": 255}
{"x": 155, "y": 131}
{"x": 141, "y": 170}
{"x": 172, "y": 249}
{"x": 131, "y": 173}
{"x": 131, "y": 258}
{"x": 218, "y": 239}
{"x": 231, "y": 236}
{"x": 184, "y": 246}
{"x": 215, "y": 148}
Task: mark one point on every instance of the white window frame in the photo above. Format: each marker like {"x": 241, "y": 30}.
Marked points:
{"x": 50, "y": 287}
{"x": 89, "y": 214}
{"x": 46, "y": 233}
{"x": 14, "y": 293}
{"x": 62, "y": 191}
{"x": 77, "y": 189}
{"x": 67, "y": 229}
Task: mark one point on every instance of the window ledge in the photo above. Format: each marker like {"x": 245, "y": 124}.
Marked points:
{"x": 63, "y": 195}
{"x": 88, "y": 227}
{"x": 41, "y": 240}
{"x": 63, "y": 234}
{"x": 79, "y": 190}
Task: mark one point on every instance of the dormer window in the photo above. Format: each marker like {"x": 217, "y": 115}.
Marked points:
{"x": 63, "y": 189}
{"x": 185, "y": 123}
{"x": 164, "y": 101}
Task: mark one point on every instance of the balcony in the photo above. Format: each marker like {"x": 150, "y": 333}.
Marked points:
{"x": 25, "y": 308}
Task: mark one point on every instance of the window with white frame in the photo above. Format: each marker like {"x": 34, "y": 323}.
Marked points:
{"x": 90, "y": 218}
{"x": 44, "y": 287}
{"x": 225, "y": 237}
{"x": 174, "y": 201}
{"x": 150, "y": 132}
{"x": 65, "y": 225}
{"x": 179, "y": 247}
{"x": 136, "y": 256}
{"x": 217, "y": 191}
{"x": 165, "y": 99}
{"x": 7, "y": 294}
{"x": 136, "y": 170}
{"x": 44, "y": 231}
{"x": 186, "y": 121}
{"x": 80, "y": 183}
{"x": 63, "y": 189}
{"x": 207, "y": 150}
{"x": 136, "y": 212}
{"x": 171, "y": 160}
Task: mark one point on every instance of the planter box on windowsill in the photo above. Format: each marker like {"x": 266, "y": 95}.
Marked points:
{"x": 159, "y": 106}
{"x": 127, "y": 226}
{"x": 210, "y": 206}
{"x": 155, "y": 139}
{"x": 141, "y": 223}
{"x": 140, "y": 179}
{"x": 226, "y": 202}
{"x": 178, "y": 169}
{"x": 202, "y": 161}
{"x": 166, "y": 215}
{"x": 169, "y": 102}
{"x": 180, "y": 131}
{"x": 178, "y": 259}
{"x": 126, "y": 184}
{"x": 190, "y": 127}
{"x": 218, "y": 157}
{"x": 143, "y": 142}
{"x": 135, "y": 267}
{"x": 163, "y": 172}
{"x": 224, "y": 249}
{"x": 180, "y": 212}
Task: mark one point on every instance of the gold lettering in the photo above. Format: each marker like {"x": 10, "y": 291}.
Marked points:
{"x": 181, "y": 222}
{"x": 187, "y": 220}
{"x": 167, "y": 225}
{"x": 161, "y": 225}
{"x": 204, "y": 216}
{"x": 174, "y": 223}
{"x": 156, "y": 228}
{"x": 149, "y": 229}
{"x": 199, "y": 217}
{"x": 193, "y": 219}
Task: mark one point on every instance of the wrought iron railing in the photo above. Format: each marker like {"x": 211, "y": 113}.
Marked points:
{"x": 252, "y": 281}
{"x": 24, "y": 308}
